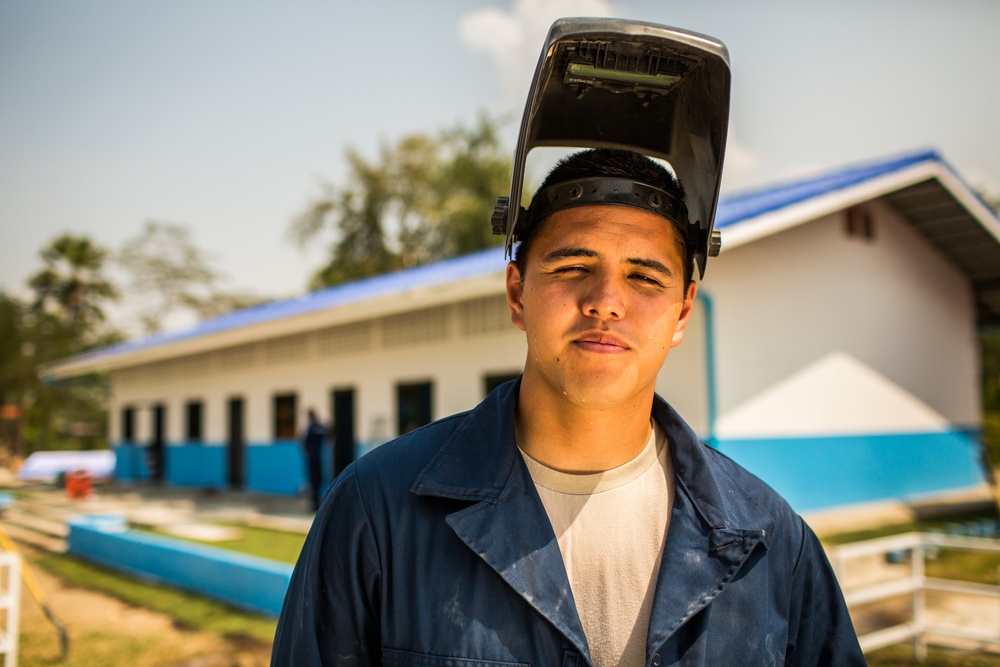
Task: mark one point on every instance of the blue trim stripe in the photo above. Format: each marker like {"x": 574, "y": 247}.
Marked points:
{"x": 712, "y": 398}
{"x": 821, "y": 472}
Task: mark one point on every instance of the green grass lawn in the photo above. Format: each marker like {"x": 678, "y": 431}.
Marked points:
{"x": 974, "y": 566}
{"x": 188, "y": 610}
{"x": 277, "y": 545}
{"x": 991, "y": 436}
{"x": 902, "y": 655}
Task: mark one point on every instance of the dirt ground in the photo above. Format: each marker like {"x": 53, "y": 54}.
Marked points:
{"x": 104, "y": 631}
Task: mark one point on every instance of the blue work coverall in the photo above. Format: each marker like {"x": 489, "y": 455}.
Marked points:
{"x": 435, "y": 550}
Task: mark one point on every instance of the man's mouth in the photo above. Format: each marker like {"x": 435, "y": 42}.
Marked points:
{"x": 601, "y": 341}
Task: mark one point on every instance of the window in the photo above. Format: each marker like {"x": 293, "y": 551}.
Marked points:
{"x": 195, "y": 427}
{"x": 858, "y": 223}
{"x": 413, "y": 403}
{"x": 495, "y": 380}
{"x": 128, "y": 424}
{"x": 284, "y": 417}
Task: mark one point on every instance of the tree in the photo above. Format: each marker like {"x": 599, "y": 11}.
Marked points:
{"x": 65, "y": 316}
{"x": 171, "y": 277}
{"x": 71, "y": 286}
{"x": 16, "y": 373}
{"x": 425, "y": 198}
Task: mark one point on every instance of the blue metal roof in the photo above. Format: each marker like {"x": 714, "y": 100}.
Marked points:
{"x": 732, "y": 210}
{"x": 446, "y": 271}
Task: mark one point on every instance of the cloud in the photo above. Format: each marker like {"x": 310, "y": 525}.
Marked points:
{"x": 513, "y": 38}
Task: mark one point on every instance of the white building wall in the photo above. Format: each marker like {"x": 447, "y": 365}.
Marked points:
{"x": 891, "y": 303}
{"x": 453, "y": 346}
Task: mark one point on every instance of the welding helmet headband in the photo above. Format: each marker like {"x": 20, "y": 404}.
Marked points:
{"x": 605, "y": 190}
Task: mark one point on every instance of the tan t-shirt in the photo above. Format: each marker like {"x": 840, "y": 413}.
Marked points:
{"x": 611, "y": 528}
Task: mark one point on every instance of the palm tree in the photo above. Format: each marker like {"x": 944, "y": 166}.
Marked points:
{"x": 72, "y": 286}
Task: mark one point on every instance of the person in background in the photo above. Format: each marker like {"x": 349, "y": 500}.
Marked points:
{"x": 312, "y": 444}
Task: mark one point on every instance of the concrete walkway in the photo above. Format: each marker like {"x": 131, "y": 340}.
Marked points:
{"x": 38, "y": 516}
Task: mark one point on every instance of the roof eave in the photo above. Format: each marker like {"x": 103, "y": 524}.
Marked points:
{"x": 417, "y": 298}
{"x": 772, "y": 222}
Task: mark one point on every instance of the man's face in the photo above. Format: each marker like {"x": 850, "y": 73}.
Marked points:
{"x": 602, "y": 302}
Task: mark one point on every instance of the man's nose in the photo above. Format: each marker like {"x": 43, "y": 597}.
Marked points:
{"x": 605, "y": 299}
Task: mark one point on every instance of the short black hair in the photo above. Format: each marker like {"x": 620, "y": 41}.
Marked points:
{"x": 615, "y": 163}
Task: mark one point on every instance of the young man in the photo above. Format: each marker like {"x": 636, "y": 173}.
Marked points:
{"x": 572, "y": 518}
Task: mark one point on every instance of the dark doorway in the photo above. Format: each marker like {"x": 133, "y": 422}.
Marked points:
{"x": 343, "y": 429}
{"x": 128, "y": 425}
{"x": 413, "y": 403}
{"x": 285, "y": 407}
{"x": 237, "y": 444}
{"x": 194, "y": 422}
{"x": 158, "y": 442}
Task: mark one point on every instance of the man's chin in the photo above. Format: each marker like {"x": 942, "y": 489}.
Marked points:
{"x": 602, "y": 391}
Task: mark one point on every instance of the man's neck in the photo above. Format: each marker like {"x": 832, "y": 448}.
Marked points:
{"x": 570, "y": 438}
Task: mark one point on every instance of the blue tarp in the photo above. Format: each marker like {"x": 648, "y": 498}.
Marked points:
{"x": 48, "y": 465}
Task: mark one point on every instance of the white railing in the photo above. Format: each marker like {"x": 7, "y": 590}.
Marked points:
{"x": 917, "y": 585}
{"x": 10, "y": 606}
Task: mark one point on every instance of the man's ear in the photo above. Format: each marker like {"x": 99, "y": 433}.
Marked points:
{"x": 686, "y": 309}
{"x": 515, "y": 289}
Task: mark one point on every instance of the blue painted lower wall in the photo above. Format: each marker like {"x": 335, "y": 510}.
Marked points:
{"x": 278, "y": 467}
{"x": 811, "y": 472}
{"x": 130, "y": 462}
{"x": 818, "y": 472}
{"x": 196, "y": 465}
{"x": 244, "y": 581}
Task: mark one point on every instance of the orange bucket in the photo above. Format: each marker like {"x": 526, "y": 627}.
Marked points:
{"x": 79, "y": 484}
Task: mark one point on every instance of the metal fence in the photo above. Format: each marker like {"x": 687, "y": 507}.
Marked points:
{"x": 904, "y": 558}
{"x": 10, "y": 606}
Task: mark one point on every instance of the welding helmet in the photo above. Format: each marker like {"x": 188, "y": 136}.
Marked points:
{"x": 652, "y": 89}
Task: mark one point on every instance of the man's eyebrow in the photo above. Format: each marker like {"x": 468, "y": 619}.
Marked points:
{"x": 651, "y": 264}
{"x": 572, "y": 251}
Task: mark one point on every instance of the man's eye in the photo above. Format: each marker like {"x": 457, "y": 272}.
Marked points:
{"x": 639, "y": 277}
{"x": 570, "y": 269}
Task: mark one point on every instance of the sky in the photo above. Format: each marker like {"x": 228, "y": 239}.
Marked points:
{"x": 227, "y": 116}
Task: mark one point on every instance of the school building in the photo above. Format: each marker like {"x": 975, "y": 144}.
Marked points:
{"x": 833, "y": 351}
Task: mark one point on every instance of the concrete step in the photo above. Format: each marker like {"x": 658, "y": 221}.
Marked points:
{"x": 35, "y": 539}
{"x": 18, "y": 516}
{"x": 37, "y": 523}
{"x": 287, "y": 523}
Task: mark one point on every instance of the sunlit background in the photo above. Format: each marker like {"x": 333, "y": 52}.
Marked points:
{"x": 227, "y": 117}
